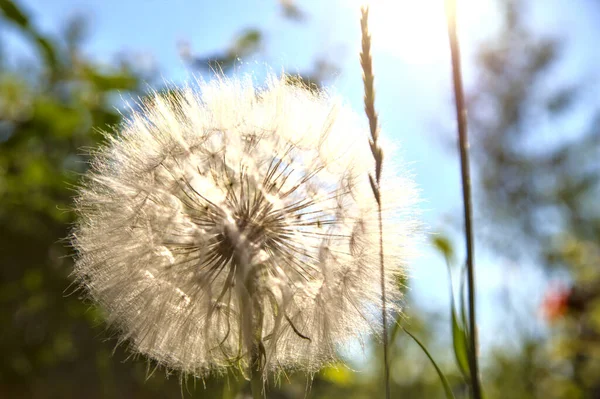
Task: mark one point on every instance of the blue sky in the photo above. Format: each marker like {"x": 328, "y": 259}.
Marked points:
{"x": 412, "y": 82}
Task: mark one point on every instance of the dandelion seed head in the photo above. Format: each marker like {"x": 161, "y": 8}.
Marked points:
{"x": 224, "y": 194}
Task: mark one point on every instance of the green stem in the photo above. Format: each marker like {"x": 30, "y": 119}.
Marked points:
{"x": 386, "y": 360}
{"x": 461, "y": 117}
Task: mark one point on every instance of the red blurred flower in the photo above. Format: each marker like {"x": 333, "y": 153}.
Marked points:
{"x": 556, "y": 302}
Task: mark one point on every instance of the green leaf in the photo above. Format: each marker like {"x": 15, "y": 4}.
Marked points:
{"x": 460, "y": 336}
{"x": 247, "y": 43}
{"x": 12, "y": 12}
{"x": 442, "y": 244}
{"x": 460, "y": 339}
{"x": 461, "y": 344}
{"x": 443, "y": 379}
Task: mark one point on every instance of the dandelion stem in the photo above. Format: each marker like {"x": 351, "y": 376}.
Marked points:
{"x": 368, "y": 78}
{"x": 256, "y": 373}
{"x": 258, "y": 352}
{"x": 252, "y": 317}
{"x": 463, "y": 143}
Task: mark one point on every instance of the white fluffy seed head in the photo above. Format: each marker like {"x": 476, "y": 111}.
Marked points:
{"x": 223, "y": 195}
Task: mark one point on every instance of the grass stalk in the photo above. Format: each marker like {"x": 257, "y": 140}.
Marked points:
{"x": 463, "y": 144}
{"x": 368, "y": 78}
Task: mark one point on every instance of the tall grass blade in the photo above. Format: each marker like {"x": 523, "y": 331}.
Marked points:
{"x": 443, "y": 379}
{"x": 461, "y": 119}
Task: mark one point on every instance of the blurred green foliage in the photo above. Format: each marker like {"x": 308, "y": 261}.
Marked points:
{"x": 540, "y": 184}
{"x": 49, "y": 112}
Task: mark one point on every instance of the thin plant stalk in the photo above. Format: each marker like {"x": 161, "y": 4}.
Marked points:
{"x": 252, "y": 319}
{"x": 463, "y": 144}
{"x": 368, "y": 78}
{"x": 256, "y": 375}
{"x": 257, "y": 356}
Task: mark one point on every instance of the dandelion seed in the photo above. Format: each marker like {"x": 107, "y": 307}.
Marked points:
{"x": 231, "y": 225}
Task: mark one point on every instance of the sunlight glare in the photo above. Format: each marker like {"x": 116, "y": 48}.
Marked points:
{"x": 415, "y": 30}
